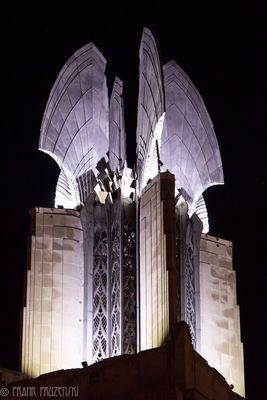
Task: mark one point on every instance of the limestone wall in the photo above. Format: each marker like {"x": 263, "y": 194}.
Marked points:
{"x": 220, "y": 342}
{"x": 53, "y": 310}
{"x": 157, "y": 261}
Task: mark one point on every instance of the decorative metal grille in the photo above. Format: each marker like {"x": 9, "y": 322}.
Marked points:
{"x": 115, "y": 292}
{"x": 129, "y": 285}
{"x": 190, "y": 285}
{"x": 100, "y": 348}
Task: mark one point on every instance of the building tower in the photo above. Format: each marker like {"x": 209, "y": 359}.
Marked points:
{"x": 125, "y": 254}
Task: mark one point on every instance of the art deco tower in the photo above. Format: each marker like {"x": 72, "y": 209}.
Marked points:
{"x": 125, "y": 254}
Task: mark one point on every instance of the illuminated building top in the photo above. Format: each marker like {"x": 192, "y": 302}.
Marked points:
{"x": 124, "y": 256}
{"x": 174, "y": 130}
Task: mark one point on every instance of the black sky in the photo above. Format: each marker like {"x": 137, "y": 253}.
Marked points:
{"x": 220, "y": 45}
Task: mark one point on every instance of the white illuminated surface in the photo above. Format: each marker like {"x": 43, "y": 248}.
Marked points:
{"x": 75, "y": 126}
{"x": 154, "y": 290}
{"x": 201, "y": 210}
{"x": 69, "y": 197}
{"x": 150, "y": 102}
{"x": 189, "y": 147}
{"x": 219, "y": 336}
{"x": 122, "y": 179}
{"x": 52, "y": 315}
{"x": 151, "y": 164}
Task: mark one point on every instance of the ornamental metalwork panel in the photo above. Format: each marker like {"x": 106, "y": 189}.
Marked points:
{"x": 190, "y": 311}
{"x": 129, "y": 289}
{"x": 115, "y": 339}
{"x": 100, "y": 346}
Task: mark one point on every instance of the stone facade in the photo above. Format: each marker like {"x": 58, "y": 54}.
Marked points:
{"x": 80, "y": 285}
{"x": 53, "y": 309}
{"x": 158, "y": 308}
{"x": 219, "y": 336}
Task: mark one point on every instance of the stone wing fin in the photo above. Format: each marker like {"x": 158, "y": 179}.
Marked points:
{"x": 74, "y": 129}
{"x": 150, "y": 100}
{"x": 189, "y": 147}
{"x": 117, "y": 138}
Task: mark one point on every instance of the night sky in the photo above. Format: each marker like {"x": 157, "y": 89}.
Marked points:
{"x": 220, "y": 46}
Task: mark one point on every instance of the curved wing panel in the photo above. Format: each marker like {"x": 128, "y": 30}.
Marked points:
{"x": 150, "y": 99}
{"x": 66, "y": 191}
{"x": 202, "y": 213}
{"x": 75, "y": 124}
{"x": 117, "y": 139}
{"x": 189, "y": 147}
